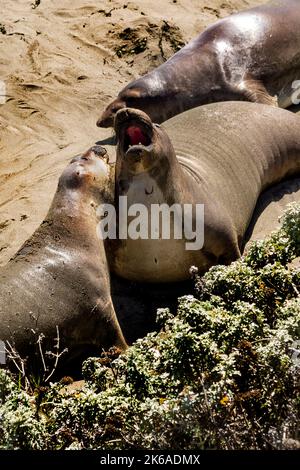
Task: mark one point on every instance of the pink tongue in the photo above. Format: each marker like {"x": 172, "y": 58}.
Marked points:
{"x": 136, "y": 135}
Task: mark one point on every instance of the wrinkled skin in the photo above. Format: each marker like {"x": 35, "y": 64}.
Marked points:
{"x": 223, "y": 155}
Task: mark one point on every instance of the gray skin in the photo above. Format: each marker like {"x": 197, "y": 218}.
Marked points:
{"x": 60, "y": 278}
{"x": 252, "y": 56}
{"x": 270, "y": 208}
{"x": 222, "y": 155}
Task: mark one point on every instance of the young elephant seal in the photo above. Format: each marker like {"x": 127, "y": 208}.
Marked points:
{"x": 250, "y": 56}
{"x": 59, "y": 280}
{"x": 221, "y": 155}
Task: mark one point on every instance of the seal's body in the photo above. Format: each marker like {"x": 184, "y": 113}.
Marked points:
{"x": 222, "y": 155}
{"x": 58, "y": 282}
{"x": 253, "y": 56}
{"x": 270, "y": 208}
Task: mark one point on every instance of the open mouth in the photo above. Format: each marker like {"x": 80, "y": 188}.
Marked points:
{"x": 136, "y": 137}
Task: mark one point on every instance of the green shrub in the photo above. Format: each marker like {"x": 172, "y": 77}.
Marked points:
{"x": 219, "y": 374}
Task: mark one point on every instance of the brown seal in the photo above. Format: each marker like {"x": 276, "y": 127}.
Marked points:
{"x": 222, "y": 155}
{"x": 253, "y": 56}
{"x": 58, "y": 282}
{"x": 270, "y": 208}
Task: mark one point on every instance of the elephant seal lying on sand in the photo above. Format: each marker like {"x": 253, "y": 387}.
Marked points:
{"x": 253, "y": 55}
{"x": 59, "y": 279}
{"x": 222, "y": 155}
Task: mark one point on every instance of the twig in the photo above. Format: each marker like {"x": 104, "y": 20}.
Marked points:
{"x": 13, "y": 355}
{"x": 39, "y": 342}
{"x": 57, "y": 354}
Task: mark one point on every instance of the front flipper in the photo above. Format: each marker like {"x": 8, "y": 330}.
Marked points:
{"x": 254, "y": 90}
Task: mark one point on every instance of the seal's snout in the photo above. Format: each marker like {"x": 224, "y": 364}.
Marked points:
{"x": 106, "y": 120}
{"x": 126, "y": 114}
{"x": 134, "y": 131}
{"x": 107, "y": 117}
{"x": 99, "y": 150}
{"x": 93, "y": 154}
{"x": 96, "y": 150}
{"x": 121, "y": 116}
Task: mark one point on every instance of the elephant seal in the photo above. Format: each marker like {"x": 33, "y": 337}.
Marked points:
{"x": 222, "y": 155}
{"x": 58, "y": 282}
{"x": 252, "y": 56}
{"x": 270, "y": 208}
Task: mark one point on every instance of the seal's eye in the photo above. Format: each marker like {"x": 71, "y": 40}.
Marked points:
{"x": 157, "y": 125}
{"x": 115, "y": 109}
{"x": 131, "y": 101}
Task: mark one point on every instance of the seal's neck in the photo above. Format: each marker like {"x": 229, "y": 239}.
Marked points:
{"x": 71, "y": 204}
{"x": 73, "y": 215}
{"x": 185, "y": 81}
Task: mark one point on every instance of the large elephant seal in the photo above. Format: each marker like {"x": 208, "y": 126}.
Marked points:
{"x": 253, "y": 56}
{"x": 222, "y": 155}
{"x": 58, "y": 282}
{"x": 270, "y": 208}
